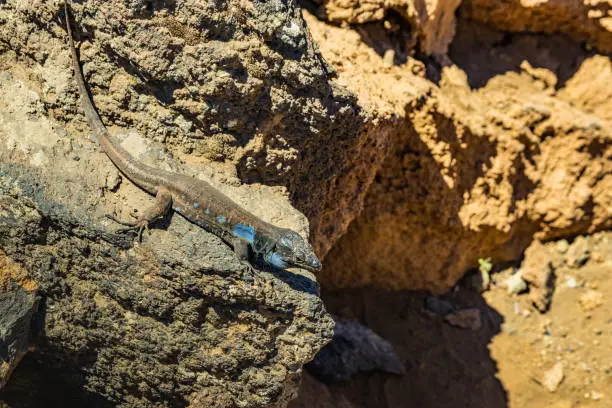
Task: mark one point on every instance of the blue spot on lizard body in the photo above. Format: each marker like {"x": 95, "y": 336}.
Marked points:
{"x": 207, "y": 211}
{"x": 245, "y": 232}
{"x": 196, "y": 205}
{"x": 220, "y": 219}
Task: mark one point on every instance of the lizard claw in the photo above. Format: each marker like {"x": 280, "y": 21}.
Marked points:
{"x": 139, "y": 226}
{"x": 131, "y": 224}
{"x": 248, "y": 268}
{"x": 144, "y": 226}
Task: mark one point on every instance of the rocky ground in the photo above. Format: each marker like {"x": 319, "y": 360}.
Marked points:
{"x": 516, "y": 357}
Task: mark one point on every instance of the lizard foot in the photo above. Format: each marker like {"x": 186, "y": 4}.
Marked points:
{"x": 140, "y": 225}
{"x": 248, "y": 271}
{"x": 248, "y": 267}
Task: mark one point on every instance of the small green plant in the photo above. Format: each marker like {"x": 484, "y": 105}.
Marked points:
{"x": 485, "y": 265}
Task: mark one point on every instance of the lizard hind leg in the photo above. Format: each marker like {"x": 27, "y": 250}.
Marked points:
{"x": 161, "y": 207}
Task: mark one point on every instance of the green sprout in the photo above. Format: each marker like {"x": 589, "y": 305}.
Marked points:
{"x": 484, "y": 267}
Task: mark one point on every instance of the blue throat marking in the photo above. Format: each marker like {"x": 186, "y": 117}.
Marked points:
{"x": 274, "y": 259}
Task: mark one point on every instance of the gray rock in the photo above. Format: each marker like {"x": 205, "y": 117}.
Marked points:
{"x": 439, "y": 306}
{"x": 562, "y": 246}
{"x": 515, "y": 284}
{"x": 234, "y": 81}
{"x": 18, "y": 304}
{"x": 465, "y": 319}
{"x": 571, "y": 282}
{"x": 579, "y": 252}
{"x": 354, "y": 349}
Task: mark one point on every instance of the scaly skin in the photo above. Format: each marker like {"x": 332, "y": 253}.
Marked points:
{"x": 196, "y": 200}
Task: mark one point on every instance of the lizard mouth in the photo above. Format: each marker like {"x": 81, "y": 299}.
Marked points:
{"x": 312, "y": 265}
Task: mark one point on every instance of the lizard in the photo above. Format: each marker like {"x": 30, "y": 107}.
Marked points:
{"x": 196, "y": 200}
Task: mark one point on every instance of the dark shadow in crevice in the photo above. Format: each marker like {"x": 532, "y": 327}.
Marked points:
{"x": 446, "y": 366}
{"x": 35, "y": 384}
{"x": 483, "y": 52}
{"x": 41, "y": 379}
{"x": 393, "y": 33}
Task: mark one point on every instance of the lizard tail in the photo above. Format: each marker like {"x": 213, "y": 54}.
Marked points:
{"x": 144, "y": 176}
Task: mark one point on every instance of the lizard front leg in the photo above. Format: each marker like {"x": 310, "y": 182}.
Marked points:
{"x": 242, "y": 251}
{"x": 161, "y": 207}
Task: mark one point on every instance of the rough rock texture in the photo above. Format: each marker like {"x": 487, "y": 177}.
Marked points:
{"x": 472, "y": 173}
{"x": 432, "y": 22}
{"x": 539, "y": 273}
{"x": 174, "y": 320}
{"x": 584, "y": 20}
{"x": 588, "y": 89}
{"x": 18, "y": 303}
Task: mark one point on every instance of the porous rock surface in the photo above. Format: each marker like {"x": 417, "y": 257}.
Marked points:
{"x": 432, "y": 22}
{"x": 584, "y": 20}
{"x": 496, "y": 153}
{"x": 233, "y": 93}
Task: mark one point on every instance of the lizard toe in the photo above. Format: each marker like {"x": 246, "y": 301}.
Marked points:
{"x": 131, "y": 224}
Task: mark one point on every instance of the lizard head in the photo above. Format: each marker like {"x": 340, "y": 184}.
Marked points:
{"x": 292, "y": 250}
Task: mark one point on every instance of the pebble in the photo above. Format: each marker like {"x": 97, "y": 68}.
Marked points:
{"x": 592, "y": 285}
{"x": 437, "y": 305}
{"x": 466, "y": 319}
{"x": 515, "y": 284}
{"x": 562, "y": 246}
{"x": 596, "y": 396}
{"x": 389, "y": 58}
{"x": 553, "y": 377}
{"x": 597, "y": 257}
{"x": 112, "y": 180}
{"x": 590, "y": 300}
{"x": 578, "y": 253}
{"x": 571, "y": 282}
